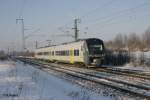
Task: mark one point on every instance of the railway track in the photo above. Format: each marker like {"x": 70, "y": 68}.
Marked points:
{"x": 118, "y": 71}
{"x": 140, "y": 90}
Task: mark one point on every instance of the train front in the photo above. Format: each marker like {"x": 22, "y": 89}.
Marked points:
{"x": 96, "y": 51}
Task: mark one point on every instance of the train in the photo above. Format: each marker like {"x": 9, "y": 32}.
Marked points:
{"x": 90, "y": 52}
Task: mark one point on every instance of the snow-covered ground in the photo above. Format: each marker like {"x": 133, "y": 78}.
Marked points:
{"x": 139, "y": 53}
{"x": 23, "y": 82}
{"x": 137, "y": 56}
{"x": 145, "y": 69}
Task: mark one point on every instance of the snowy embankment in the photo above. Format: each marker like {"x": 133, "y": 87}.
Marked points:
{"x": 23, "y": 82}
{"x": 137, "y": 57}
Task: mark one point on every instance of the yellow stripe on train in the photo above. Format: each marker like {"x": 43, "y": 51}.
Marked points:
{"x": 71, "y": 56}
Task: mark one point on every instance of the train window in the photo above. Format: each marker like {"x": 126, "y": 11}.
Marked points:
{"x": 57, "y": 53}
{"x": 67, "y": 53}
{"x": 60, "y": 53}
{"x": 97, "y": 46}
{"x": 52, "y": 53}
{"x": 40, "y": 53}
{"x": 76, "y": 52}
{"x": 64, "y": 53}
{"x": 45, "y": 53}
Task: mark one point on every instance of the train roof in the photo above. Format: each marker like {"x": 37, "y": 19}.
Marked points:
{"x": 70, "y": 42}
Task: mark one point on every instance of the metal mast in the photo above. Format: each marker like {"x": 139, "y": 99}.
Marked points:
{"x": 76, "y": 21}
{"x": 23, "y": 36}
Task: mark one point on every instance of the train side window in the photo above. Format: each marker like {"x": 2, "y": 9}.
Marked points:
{"x": 57, "y": 53}
{"x": 47, "y": 53}
{"x": 38, "y": 53}
{"x": 63, "y": 52}
{"x": 76, "y": 52}
{"x": 44, "y": 53}
{"x": 67, "y": 53}
{"x": 52, "y": 53}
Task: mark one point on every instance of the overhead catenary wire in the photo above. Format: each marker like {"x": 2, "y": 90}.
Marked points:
{"x": 110, "y": 21}
{"x": 118, "y": 13}
{"x": 89, "y": 13}
{"x": 97, "y": 9}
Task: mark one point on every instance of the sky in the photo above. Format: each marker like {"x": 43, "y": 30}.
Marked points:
{"x": 54, "y": 19}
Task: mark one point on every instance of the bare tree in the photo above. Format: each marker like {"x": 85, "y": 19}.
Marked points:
{"x": 146, "y": 38}
{"x": 133, "y": 41}
{"x": 125, "y": 41}
{"x": 118, "y": 41}
{"x": 109, "y": 44}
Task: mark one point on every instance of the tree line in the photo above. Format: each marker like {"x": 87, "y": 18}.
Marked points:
{"x": 131, "y": 42}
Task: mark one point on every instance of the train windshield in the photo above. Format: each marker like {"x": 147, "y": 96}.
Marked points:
{"x": 95, "y": 46}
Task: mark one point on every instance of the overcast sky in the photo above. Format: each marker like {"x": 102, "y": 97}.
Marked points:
{"x": 50, "y": 19}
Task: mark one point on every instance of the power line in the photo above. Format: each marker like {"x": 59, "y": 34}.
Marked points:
{"x": 112, "y": 23}
{"x": 119, "y": 12}
{"x": 89, "y": 13}
{"x": 94, "y": 10}
{"x": 117, "y": 22}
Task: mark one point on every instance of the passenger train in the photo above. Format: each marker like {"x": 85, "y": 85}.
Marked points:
{"x": 89, "y": 52}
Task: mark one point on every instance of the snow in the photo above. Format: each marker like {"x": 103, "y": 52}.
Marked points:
{"x": 144, "y": 69}
{"x": 24, "y": 82}
{"x": 138, "y": 55}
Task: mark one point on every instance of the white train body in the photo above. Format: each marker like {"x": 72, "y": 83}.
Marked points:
{"x": 73, "y": 52}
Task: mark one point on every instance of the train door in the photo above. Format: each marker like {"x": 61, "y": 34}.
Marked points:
{"x": 72, "y": 56}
